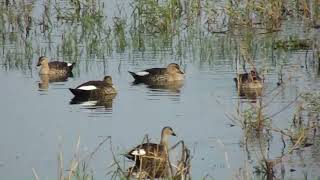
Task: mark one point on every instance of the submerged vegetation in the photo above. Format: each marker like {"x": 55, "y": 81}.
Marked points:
{"x": 249, "y": 34}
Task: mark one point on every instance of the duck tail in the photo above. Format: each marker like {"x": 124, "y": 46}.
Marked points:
{"x": 72, "y": 65}
{"x": 129, "y": 156}
{"x": 75, "y": 92}
{"x": 134, "y": 75}
{"x": 79, "y": 93}
{"x": 236, "y": 81}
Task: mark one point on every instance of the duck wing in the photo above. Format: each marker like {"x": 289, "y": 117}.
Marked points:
{"x": 149, "y": 158}
{"x": 61, "y": 65}
{"x": 156, "y": 71}
{"x": 146, "y": 149}
{"x": 58, "y": 65}
{"x": 86, "y": 88}
{"x": 96, "y": 84}
{"x": 148, "y": 74}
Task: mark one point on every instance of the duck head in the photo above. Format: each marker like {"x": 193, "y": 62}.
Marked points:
{"x": 174, "y": 68}
{"x": 43, "y": 60}
{"x": 168, "y": 131}
{"x": 254, "y": 75}
{"x": 165, "y": 134}
{"x": 107, "y": 80}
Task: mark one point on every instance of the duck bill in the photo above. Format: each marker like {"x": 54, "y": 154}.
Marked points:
{"x": 38, "y": 64}
{"x": 173, "y": 134}
{"x": 181, "y": 72}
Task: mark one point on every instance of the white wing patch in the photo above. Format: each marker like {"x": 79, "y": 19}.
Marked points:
{"x": 69, "y": 64}
{"x": 142, "y": 73}
{"x": 88, "y": 88}
{"x": 139, "y": 152}
{"x": 89, "y": 103}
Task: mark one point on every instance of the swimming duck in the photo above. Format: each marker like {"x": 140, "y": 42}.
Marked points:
{"x": 95, "y": 89}
{"x": 152, "y": 158}
{"x": 169, "y": 74}
{"x": 249, "y": 84}
{"x": 54, "y": 67}
{"x": 250, "y": 80}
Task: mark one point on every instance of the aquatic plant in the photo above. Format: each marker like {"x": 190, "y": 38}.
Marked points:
{"x": 78, "y": 168}
{"x": 119, "y": 31}
{"x": 294, "y": 43}
{"x": 156, "y": 16}
{"x": 312, "y": 102}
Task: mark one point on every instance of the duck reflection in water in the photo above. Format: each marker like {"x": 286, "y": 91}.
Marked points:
{"x": 105, "y": 101}
{"x": 170, "y": 86}
{"x": 46, "y": 79}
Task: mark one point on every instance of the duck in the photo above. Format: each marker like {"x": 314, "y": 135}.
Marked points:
{"x": 179, "y": 171}
{"x": 53, "y": 68}
{"x": 152, "y": 158}
{"x": 249, "y": 84}
{"x": 95, "y": 89}
{"x": 154, "y": 75}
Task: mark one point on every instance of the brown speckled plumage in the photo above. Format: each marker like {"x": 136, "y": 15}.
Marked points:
{"x": 154, "y": 161}
{"x": 169, "y": 74}
{"x": 57, "y": 68}
{"x": 249, "y": 84}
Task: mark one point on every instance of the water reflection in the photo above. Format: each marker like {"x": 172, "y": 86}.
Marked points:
{"x": 89, "y": 103}
{"x": 45, "y": 79}
{"x": 156, "y": 90}
{"x": 250, "y": 94}
{"x": 257, "y": 148}
{"x": 170, "y": 86}
{"x": 268, "y": 159}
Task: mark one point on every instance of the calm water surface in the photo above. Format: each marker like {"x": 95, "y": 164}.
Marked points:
{"x": 38, "y": 123}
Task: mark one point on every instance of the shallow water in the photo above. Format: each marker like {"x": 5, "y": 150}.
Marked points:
{"x": 37, "y": 123}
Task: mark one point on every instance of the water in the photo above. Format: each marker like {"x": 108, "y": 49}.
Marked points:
{"x": 37, "y": 123}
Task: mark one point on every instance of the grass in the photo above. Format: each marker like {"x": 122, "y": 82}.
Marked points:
{"x": 167, "y": 22}
{"x": 79, "y": 167}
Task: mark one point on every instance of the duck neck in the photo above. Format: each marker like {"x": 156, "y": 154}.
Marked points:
{"x": 164, "y": 141}
{"x": 108, "y": 83}
{"x": 44, "y": 68}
